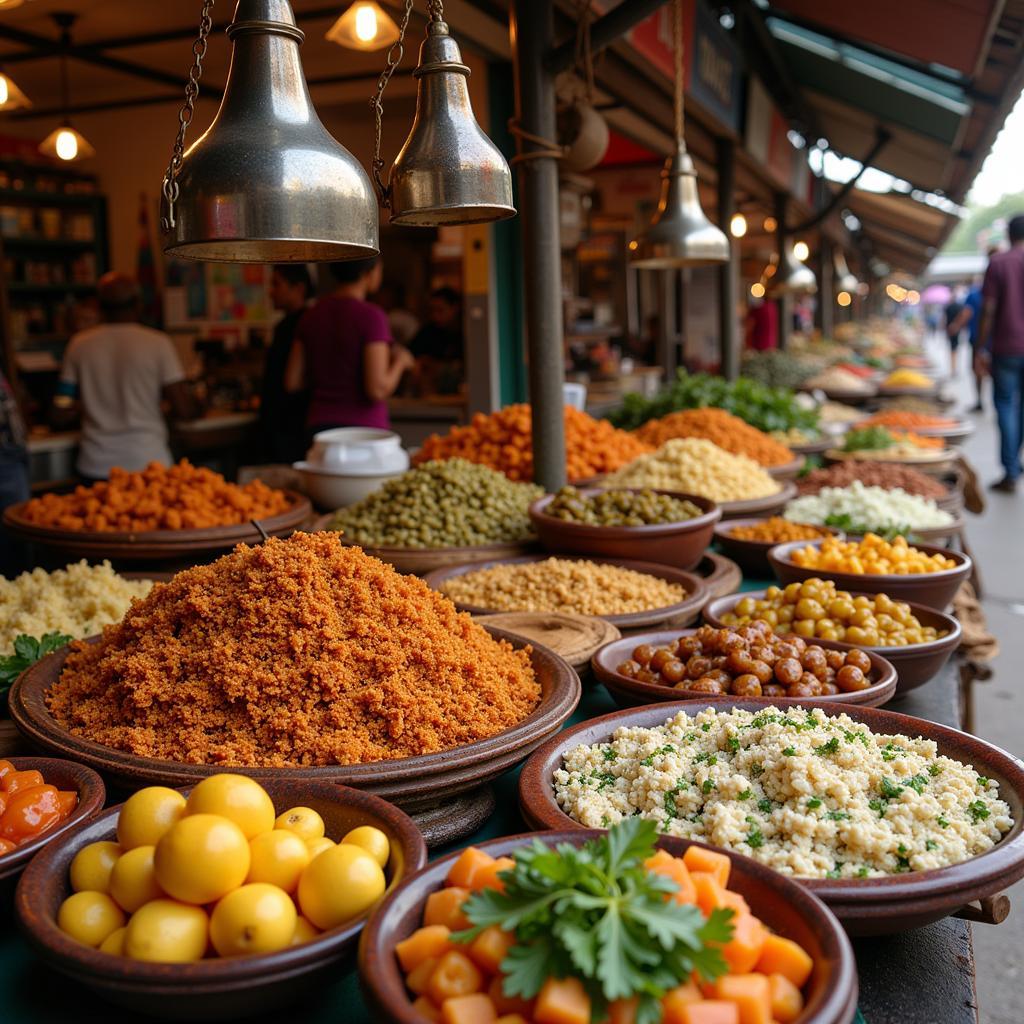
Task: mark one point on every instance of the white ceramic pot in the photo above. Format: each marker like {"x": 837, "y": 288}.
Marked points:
{"x": 358, "y": 451}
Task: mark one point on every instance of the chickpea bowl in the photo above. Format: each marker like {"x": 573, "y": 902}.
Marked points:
{"x": 915, "y": 639}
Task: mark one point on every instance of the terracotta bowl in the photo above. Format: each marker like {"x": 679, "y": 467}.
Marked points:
{"x": 865, "y": 906}
{"x": 933, "y": 461}
{"x": 414, "y": 783}
{"x": 211, "y": 989}
{"x": 64, "y": 775}
{"x": 752, "y": 555}
{"x": 812, "y": 447}
{"x": 681, "y": 545}
{"x": 915, "y": 664}
{"x": 759, "y": 506}
{"x": 932, "y": 589}
{"x": 787, "y": 908}
{"x": 631, "y": 693}
{"x": 721, "y": 575}
{"x": 682, "y": 613}
{"x": 788, "y": 470}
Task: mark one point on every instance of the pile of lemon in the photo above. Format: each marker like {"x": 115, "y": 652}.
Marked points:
{"x": 218, "y": 874}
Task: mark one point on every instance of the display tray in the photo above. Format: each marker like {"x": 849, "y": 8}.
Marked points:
{"x": 788, "y": 470}
{"x": 421, "y": 783}
{"x": 156, "y": 544}
{"x": 721, "y": 575}
{"x": 768, "y": 505}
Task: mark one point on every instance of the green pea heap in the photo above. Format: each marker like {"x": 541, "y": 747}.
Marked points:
{"x": 620, "y": 508}
{"x": 441, "y": 504}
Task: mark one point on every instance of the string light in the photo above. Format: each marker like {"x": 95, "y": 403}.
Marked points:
{"x": 770, "y": 224}
{"x": 738, "y": 225}
{"x": 801, "y": 251}
{"x": 844, "y": 298}
{"x": 757, "y": 290}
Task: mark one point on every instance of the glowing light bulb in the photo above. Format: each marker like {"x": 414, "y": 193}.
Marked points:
{"x": 844, "y": 298}
{"x": 801, "y": 251}
{"x": 366, "y": 23}
{"x": 757, "y": 290}
{"x": 67, "y": 144}
{"x": 770, "y": 224}
{"x": 5, "y": 91}
{"x": 738, "y": 225}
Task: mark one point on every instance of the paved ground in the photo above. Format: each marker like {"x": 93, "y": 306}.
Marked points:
{"x": 997, "y": 543}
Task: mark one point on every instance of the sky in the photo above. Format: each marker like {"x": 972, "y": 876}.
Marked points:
{"x": 1001, "y": 172}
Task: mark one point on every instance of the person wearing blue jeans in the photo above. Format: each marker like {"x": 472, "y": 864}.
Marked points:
{"x": 1000, "y": 349}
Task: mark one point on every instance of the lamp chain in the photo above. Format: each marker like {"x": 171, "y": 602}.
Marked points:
{"x": 394, "y": 58}
{"x": 185, "y": 115}
{"x": 677, "y": 36}
{"x": 435, "y": 8}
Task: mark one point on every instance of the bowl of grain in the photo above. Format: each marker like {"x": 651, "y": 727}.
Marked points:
{"x": 859, "y": 783}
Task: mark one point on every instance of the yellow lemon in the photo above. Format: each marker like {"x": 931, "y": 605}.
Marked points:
{"x": 257, "y": 918}
{"x": 304, "y": 931}
{"x": 90, "y": 870}
{"x": 278, "y": 857}
{"x": 202, "y": 858}
{"x": 114, "y": 943}
{"x": 339, "y": 885}
{"x": 147, "y": 815}
{"x": 90, "y": 917}
{"x": 236, "y": 797}
{"x": 133, "y": 880}
{"x": 372, "y": 840}
{"x": 167, "y": 932}
{"x": 318, "y": 845}
{"x": 303, "y": 821}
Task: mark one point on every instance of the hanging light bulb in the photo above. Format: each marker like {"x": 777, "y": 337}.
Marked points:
{"x": 845, "y": 280}
{"x": 738, "y": 225}
{"x": 65, "y": 142}
{"x": 794, "y": 277}
{"x": 679, "y": 235}
{"x": 266, "y": 183}
{"x": 844, "y": 298}
{"x": 11, "y": 97}
{"x": 364, "y": 26}
{"x": 757, "y": 290}
{"x": 801, "y": 251}
{"x": 770, "y": 224}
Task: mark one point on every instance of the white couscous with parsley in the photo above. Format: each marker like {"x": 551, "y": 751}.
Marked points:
{"x": 809, "y": 794}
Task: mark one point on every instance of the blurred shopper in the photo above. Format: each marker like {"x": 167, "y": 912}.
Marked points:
{"x": 439, "y": 344}
{"x": 969, "y": 319}
{"x": 115, "y": 377}
{"x": 14, "y": 479}
{"x": 762, "y": 326}
{"x": 345, "y": 355}
{"x": 282, "y": 428}
{"x": 954, "y": 326}
{"x": 1001, "y": 349}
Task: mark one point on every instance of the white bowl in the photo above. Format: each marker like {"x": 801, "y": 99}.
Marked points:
{"x": 358, "y": 451}
{"x": 329, "y": 489}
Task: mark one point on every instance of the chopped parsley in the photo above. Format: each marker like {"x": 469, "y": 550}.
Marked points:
{"x": 732, "y": 744}
{"x": 862, "y": 872}
{"x": 930, "y": 844}
{"x": 757, "y": 770}
{"x": 706, "y": 727}
{"x": 670, "y": 798}
{"x": 605, "y": 821}
{"x": 889, "y": 789}
{"x": 934, "y": 769}
{"x": 604, "y": 780}
{"x": 891, "y": 751}
{"x": 983, "y": 781}
{"x": 609, "y": 754}
{"x": 708, "y": 785}
{"x": 832, "y": 747}
{"x": 978, "y": 811}
{"x": 878, "y": 805}
{"x": 764, "y": 805}
{"x": 902, "y": 863}
{"x": 812, "y": 803}
{"x": 755, "y": 839}
{"x": 789, "y": 752}
{"x": 837, "y": 815}
{"x": 942, "y": 820}
{"x": 901, "y": 848}
{"x": 917, "y": 783}
{"x": 745, "y": 795}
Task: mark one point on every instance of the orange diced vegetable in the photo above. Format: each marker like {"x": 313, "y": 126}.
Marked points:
{"x": 697, "y": 858}
{"x": 663, "y": 863}
{"x": 425, "y": 1008}
{"x": 512, "y": 1018}
{"x": 416, "y": 980}
{"x": 751, "y": 993}
{"x": 475, "y": 1008}
{"x": 16, "y": 781}
{"x": 710, "y": 892}
{"x": 673, "y": 1001}
{"x": 445, "y": 907}
{"x": 487, "y": 876}
{"x": 562, "y": 1001}
{"x": 787, "y": 1002}
{"x": 470, "y": 864}
{"x": 710, "y": 1011}
{"x": 424, "y": 943}
{"x": 735, "y": 902}
{"x": 508, "y": 1005}
{"x": 455, "y": 975}
{"x": 488, "y": 949}
{"x": 623, "y": 1011}
{"x": 742, "y": 951}
{"x": 785, "y": 957}
{"x": 67, "y": 800}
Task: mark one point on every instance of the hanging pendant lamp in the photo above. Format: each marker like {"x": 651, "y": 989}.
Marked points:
{"x": 846, "y": 280}
{"x": 794, "y": 277}
{"x": 64, "y": 142}
{"x": 448, "y": 171}
{"x": 364, "y": 26}
{"x": 266, "y": 183}
{"x": 679, "y": 235}
{"x": 11, "y": 97}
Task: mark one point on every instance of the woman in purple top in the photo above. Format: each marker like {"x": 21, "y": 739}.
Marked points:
{"x": 345, "y": 356}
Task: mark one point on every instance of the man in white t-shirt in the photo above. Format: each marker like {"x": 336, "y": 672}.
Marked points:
{"x": 116, "y": 375}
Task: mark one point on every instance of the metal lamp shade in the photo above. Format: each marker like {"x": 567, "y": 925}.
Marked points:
{"x": 794, "y": 278}
{"x": 846, "y": 281}
{"x": 448, "y": 171}
{"x": 267, "y": 183}
{"x": 679, "y": 234}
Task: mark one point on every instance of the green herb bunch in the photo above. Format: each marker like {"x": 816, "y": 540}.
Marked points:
{"x": 27, "y": 651}
{"x": 869, "y": 439}
{"x": 596, "y": 913}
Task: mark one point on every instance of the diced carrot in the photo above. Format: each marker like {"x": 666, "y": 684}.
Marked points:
{"x": 67, "y": 801}
{"x": 562, "y": 1001}
{"x": 508, "y": 1005}
{"x": 623, "y": 1011}
{"x": 512, "y": 1018}
{"x": 474, "y": 1008}
{"x": 675, "y": 999}
{"x": 455, "y": 975}
{"x": 697, "y": 858}
{"x": 710, "y": 892}
{"x": 445, "y": 907}
{"x": 751, "y": 993}
{"x": 488, "y": 949}
{"x": 735, "y": 902}
{"x": 742, "y": 951}
{"x": 787, "y": 1001}
{"x": 663, "y": 863}
{"x": 487, "y": 876}
{"x": 416, "y": 980}
{"x": 785, "y": 957}
{"x": 425, "y": 1008}
{"x": 470, "y": 862}
{"x": 710, "y": 1011}
{"x": 424, "y": 943}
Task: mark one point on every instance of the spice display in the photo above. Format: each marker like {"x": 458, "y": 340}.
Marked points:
{"x": 78, "y": 601}
{"x": 872, "y": 556}
{"x": 777, "y": 369}
{"x": 860, "y": 509}
{"x": 817, "y": 608}
{"x": 295, "y": 652}
{"x": 450, "y": 503}
{"x": 886, "y": 475}
{"x": 218, "y": 875}
{"x": 838, "y": 413}
{"x": 761, "y": 407}
{"x": 907, "y": 378}
{"x": 684, "y": 948}
{"x": 777, "y": 530}
{"x": 182, "y": 497}
{"x": 503, "y": 441}
{"x": 795, "y": 437}
{"x": 696, "y": 466}
{"x": 749, "y": 662}
{"x": 562, "y": 585}
{"x": 809, "y": 794}
{"x": 620, "y": 508}
{"x": 29, "y": 806}
{"x": 729, "y": 432}
{"x": 839, "y": 380}
{"x": 892, "y": 443}
{"x": 902, "y": 420}
{"x": 911, "y": 403}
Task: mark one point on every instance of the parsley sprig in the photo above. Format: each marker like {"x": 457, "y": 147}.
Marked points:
{"x": 27, "y": 651}
{"x": 595, "y": 912}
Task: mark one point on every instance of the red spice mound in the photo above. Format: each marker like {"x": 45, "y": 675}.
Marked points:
{"x": 296, "y": 652}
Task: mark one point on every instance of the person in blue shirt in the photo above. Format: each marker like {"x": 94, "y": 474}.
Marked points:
{"x": 970, "y": 317}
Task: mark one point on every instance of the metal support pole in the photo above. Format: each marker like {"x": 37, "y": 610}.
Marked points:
{"x": 532, "y": 31}
{"x": 784, "y": 301}
{"x": 728, "y": 273}
{"x": 825, "y": 314}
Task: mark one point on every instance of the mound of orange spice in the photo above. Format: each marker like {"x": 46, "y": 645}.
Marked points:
{"x": 503, "y": 441}
{"x": 159, "y": 498}
{"x": 907, "y": 420}
{"x": 727, "y": 431}
{"x": 295, "y": 652}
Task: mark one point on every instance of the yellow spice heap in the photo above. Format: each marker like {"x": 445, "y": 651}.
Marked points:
{"x": 872, "y": 556}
